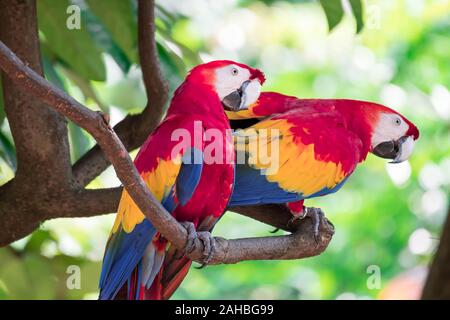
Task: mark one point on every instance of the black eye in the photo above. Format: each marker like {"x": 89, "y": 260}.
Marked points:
{"x": 234, "y": 71}
{"x": 398, "y": 121}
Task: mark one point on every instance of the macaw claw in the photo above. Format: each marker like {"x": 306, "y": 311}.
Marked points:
{"x": 205, "y": 237}
{"x": 318, "y": 217}
{"x": 210, "y": 246}
{"x": 192, "y": 235}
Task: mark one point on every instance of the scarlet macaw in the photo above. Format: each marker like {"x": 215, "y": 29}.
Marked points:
{"x": 320, "y": 142}
{"x": 192, "y": 179}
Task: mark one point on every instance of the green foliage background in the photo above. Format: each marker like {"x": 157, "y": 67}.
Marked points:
{"x": 387, "y": 217}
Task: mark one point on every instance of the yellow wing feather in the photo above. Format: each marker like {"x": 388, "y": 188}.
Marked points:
{"x": 241, "y": 114}
{"x": 160, "y": 181}
{"x": 298, "y": 168}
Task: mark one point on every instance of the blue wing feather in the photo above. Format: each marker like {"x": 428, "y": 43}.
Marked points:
{"x": 189, "y": 175}
{"x": 125, "y": 250}
{"x": 252, "y": 188}
{"x": 123, "y": 254}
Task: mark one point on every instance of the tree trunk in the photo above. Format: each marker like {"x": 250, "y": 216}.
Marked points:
{"x": 437, "y": 285}
{"x": 40, "y": 133}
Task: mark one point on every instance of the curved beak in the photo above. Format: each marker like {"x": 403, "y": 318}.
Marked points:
{"x": 241, "y": 98}
{"x": 397, "y": 150}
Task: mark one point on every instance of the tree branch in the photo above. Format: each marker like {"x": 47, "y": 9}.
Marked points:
{"x": 298, "y": 245}
{"x": 134, "y": 129}
{"x": 85, "y": 203}
{"x": 92, "y": 202}
{"x": 276, "y": 215}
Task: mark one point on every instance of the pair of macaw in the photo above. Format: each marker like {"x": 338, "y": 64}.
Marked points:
{"x": 189, "y": 164}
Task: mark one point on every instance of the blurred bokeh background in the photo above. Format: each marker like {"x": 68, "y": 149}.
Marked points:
{"x": 387, "y": 217}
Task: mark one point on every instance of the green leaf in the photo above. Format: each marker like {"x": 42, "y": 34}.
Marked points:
{"x": 75, "y": 47}
{"x": 334, "y": 12}
{"x": 126, "y": 94}
{"x": 187, "y": 53}
{"x": 2, "y": 104}
{"x": 51, "y": 74}
{"x": 79, "y": 142}
{"x": 86, "y": 88}
{"x": 13, "y": 276}
{"x": 167, "y": 17}
{"x": 357, "y": 9}
{"x": 37, "y": 239}
{"x": 172, "y": 65}
{"x": 42, "y": 282}
{"x": 120, "y": 57}
{"x": 104, "y": 40}
{"x": 7, "y": 151}
{"x": 118, "y": 18}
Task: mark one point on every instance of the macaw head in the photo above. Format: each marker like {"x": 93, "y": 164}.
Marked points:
{"x": 393, "y": 135}
{"x": 237, "y": 85}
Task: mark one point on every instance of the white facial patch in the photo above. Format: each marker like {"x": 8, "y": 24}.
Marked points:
{"x": 229, "y": 79}
{"x": 252, "y": 93}
{"x": 406, "y": 150}
{"x": 390, "y": 127}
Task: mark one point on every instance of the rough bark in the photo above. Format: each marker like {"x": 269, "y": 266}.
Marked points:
{"x": 40, "y": 133}
{"x": 437, "y": 285}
